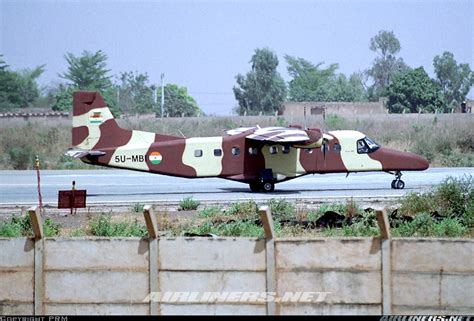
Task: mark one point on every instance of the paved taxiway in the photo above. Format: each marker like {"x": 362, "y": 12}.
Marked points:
{"x": 123, "y": 186}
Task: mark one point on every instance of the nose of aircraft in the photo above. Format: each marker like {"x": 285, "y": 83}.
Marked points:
{"x": 394, "y": 160}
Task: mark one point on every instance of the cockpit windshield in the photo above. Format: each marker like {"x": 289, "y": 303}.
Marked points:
{"x": 366, "y": 146}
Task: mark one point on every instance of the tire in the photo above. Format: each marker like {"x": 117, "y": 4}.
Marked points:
{"x": 400, "y": 184}
{"x": 393, "y": 184}
{"x": 268, "y": 187}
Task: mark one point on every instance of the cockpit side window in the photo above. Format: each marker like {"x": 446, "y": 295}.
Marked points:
{"x": 366, "y": 146}
{"x": 362, "y": 147}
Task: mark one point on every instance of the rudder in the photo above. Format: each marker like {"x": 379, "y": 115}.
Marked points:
{"x": 92, "y": 121}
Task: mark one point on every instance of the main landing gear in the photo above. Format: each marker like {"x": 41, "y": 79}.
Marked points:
{"x": 262, "y": 186}
{"x": 397, "y": 183}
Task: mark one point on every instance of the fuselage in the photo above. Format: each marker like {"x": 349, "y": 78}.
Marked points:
{"x": 240, "y": 159}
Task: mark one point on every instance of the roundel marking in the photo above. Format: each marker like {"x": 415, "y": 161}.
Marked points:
{"x": 155, "y": 158}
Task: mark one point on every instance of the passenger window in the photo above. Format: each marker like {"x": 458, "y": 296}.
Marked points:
{"x": 273, "y": 150}
{"x": 362, "y": 147}
{"x": 198, "y": 153}
{"x": 217, "y": 152}
{"x": 285, "y": 149}
{"x": 235, "y": 151}
{"x": 337, "y": 148}
{"x": 253, "y": 150}
{"x": 325, "y": 148}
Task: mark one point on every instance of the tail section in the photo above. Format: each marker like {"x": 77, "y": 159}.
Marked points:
{"x": 93, "y": 125}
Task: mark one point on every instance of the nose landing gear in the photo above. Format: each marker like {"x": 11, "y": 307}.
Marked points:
{"x": 397, "y": 183}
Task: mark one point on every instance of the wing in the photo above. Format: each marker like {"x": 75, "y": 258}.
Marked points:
{"x": 310, "y": 138}
{"x": 279, "y": 135}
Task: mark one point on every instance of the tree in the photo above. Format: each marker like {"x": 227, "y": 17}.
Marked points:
{"x": 135, "y": 95}
{"x": 414, "y": 91}
{"x": 310, "y": 82}
{"x": 262, "y": 89}
{"x": 18, "y": 89}
{"x": 342, "y": 89}
{"x": 455, "y": 80}
{"x": 178, "y": 103}
{"x": 386, "y": 66}
{"x": 88, "y": 72}
{"x": 27, "y": 85}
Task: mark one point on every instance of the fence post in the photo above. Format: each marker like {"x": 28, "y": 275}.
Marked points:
{"x": 386, "y": 247}
{"x": 152, "y": 227}
{"x": 37, "y": 226}
{"x": 267, "y": 221}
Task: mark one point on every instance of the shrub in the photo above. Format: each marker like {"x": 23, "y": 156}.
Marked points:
{"x": 211, "y": 211}
{"x": 188, "y": 204}
{"x": 281, "y": 209}
{"x": 102, "y": 225}
{"x": 138, "y": 207}
{"x": 18, "y": 226}
{"x": 243, "y": 210}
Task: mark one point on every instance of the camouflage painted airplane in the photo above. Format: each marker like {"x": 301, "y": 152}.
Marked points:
{"x": 260, "y": 157}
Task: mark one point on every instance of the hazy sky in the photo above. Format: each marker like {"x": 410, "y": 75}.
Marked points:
{"x": 203, "y": 45}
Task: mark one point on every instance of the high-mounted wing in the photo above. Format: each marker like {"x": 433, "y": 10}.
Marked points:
{"x": 279, "y": 135}
{"x": 295, "y": 136}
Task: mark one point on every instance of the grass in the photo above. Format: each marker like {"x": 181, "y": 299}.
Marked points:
{"x": 103, "y": 225}
{"x": 188, "y": 204}
{"x": 138, "y": 208}
{"x": 18, "y": 226}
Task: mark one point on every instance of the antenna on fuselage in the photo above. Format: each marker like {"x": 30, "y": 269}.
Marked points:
{"x": 181, "y": 133}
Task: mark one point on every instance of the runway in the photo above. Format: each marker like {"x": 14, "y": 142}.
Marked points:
{"x": 126, "y": 187}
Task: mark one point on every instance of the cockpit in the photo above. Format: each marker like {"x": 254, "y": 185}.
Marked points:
{"x": 366, "y": 146}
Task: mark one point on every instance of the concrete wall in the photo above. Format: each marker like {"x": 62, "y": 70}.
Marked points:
{"x": 432, "y": 276}
{"x": 336, "y": 108}
{"x": 115, "y": 275}
{"x": 350, "y": 270}
{"x": 16, "y": 276}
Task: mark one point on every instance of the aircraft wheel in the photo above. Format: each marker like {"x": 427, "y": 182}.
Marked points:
{"x": 400, "y": 184}
{"x": 268, "y": 187}
{"x": 255, "y": 187}
{"x": 394, "y": 182}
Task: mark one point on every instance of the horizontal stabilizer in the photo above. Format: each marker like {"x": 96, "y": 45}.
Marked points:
{"x": 79, "y": 153}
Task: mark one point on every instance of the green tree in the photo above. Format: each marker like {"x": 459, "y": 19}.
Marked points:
{"x": 414, "y": 91}
{"x": 178, "y": 103}
{"x": 18, "y": 89}
{"x": 9, "y": 94}
{"x": 342, "y": 89}
{"x": 386, "y": 65}
{"x": 135, "y": 95}
{"x": 310, "y": 82}
{"x": 27, "y": 85}
{"x": 454, "y": 79}
{"x": 262, "y": 89}
{"x": 88, "y": 72}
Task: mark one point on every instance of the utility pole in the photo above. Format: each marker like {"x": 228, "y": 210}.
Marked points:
{"x": 162, "y": 93}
